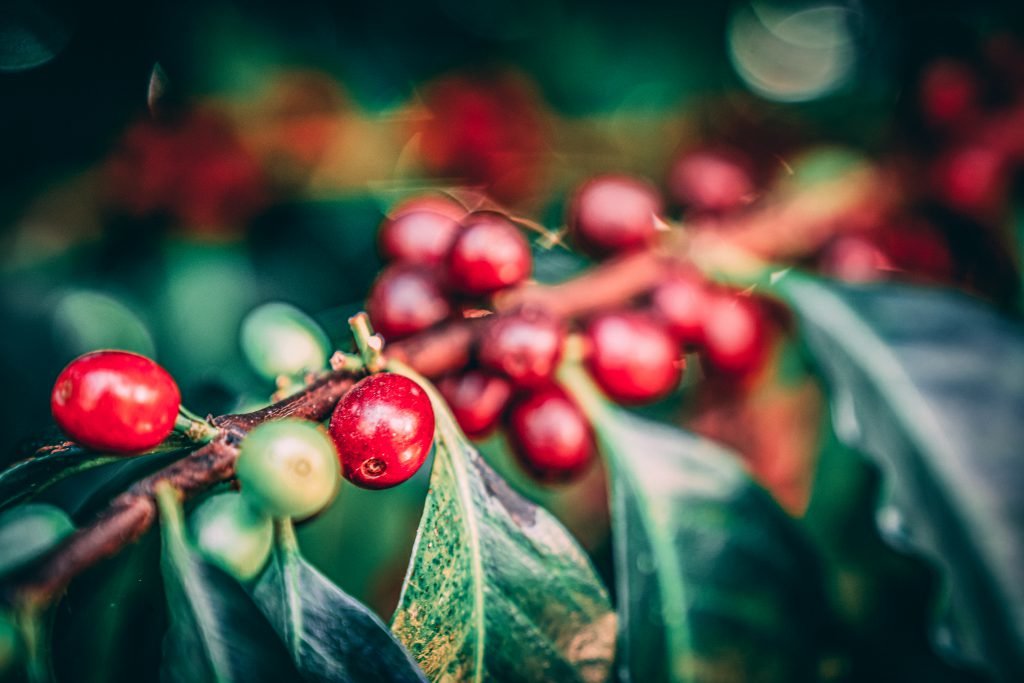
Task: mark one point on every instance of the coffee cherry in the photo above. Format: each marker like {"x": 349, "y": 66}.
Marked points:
{"x": 549, "y": 434}
{"x": 735, "y": 335}
{"x": 632, "y": 356}
{"x": 524, "y": 346}
{"x": 476, "y": 399}
{"x": 614, "y": 213}
{"x": 280, "y": 340}
{"x": 115, "y": 401}
{"x": 383, "y": 429}
{"x": 949, "y": 93}
{"x": 711, "y": 180}
{"x": 681, "y": 303}
{"x": 233, "y": 535}
{"x": 404, "y": 300}
{"x": 420, "y": 233}
{"x": 288, "y": 468}
{"x": 433, "y": 202}
{"x": 489, "y": 254}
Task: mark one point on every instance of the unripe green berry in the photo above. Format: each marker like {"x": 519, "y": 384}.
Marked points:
{"x": 279, "y": 339}
{"x": 231, "y": 534}
{"x": 29, "y": 531}
{"x": 288, "y": 468}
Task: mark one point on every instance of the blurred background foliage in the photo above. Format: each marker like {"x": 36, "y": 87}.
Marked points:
{"x": 167, "y": 166}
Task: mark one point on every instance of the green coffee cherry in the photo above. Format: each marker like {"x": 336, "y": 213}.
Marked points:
{"x": 279, "y": 339}
{"x": 231, "y": 534}
{"x": 28, "y": 531}
{"x": 288, "y": 468}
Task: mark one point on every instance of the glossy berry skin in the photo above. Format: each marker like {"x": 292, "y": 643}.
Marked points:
{"x": 524, "y": 346}
{"x": 614, "y": 213}
{"x": 681, "y": 303}
{"x": 232, "y": 534}
{"x": 419, "y": 235}
{"x": 711, "y": 180}
{"x": 488, "y": 255}
{"x": 115, "y": 401}
{"x": 383, "y": 429}
{"x": 549, "y": 434}
{"x": 632, "y": 357}
{"x": 404, "y": 300}
{"x": 288, "y": 468}
{"x": 476, "y": 398}
{"x": 735, "y": 335}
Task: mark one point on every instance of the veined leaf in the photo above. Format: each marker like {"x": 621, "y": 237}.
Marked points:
{"x": 930, "y": 384}
{"x": 497, "y": 590}
{"x": 715, "y": 582}
{"x": 332, "y": 637}
{"x": 216, "y": 632}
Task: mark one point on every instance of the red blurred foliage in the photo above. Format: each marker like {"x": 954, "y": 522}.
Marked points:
{"x": 486, "y": 129}
{"x": 193, "y": 168}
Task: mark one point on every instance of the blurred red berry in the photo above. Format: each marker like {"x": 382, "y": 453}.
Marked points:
{"x": 711, "y": 180}
{"x": 735, "y": 334}
{"x": 524, "y": 346}
{"x": 486, "y": 130}
{"x": 614, "y": 213}
{"x": 490, "y": 253}
{"x": 632, "y": 356}
{"x": 682, "y": 304}
{"x": 972, "y": 179}
{"x": 949, "y": 93}
{"x": 854, "y": 258}
{"x": 115, "y": 401}
{"x": 421, "y": 236}
{"x": 550, "y": 436}
{"x": 406, "y": 299}
{"x": 477, "y": 400}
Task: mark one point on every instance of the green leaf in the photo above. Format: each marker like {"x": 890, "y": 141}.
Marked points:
{"x": 930, "y": 384}
{"x": 27, "y": 532}
{"x": 497, "y": 590}
{"x": 332, "y": 637}
{"x": 216, "y": 632}
{"x": 714, "y": 581}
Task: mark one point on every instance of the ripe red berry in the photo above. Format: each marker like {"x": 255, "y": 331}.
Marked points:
{"x": 420, "y": 232}
{"x": 404, "y": 300}
{"x": 477, "y": 399}
{"x": 735, "y": 334}
{"x": 614, "y": 213}
{"x": 383, "y": 429}
{"x": 524, "y": 346}
{"x": 115, "y": 401}
{"x": 949, "y": 93}
{"x": 632, "y": 356}
{"x": 489, "y": 254}
{"x": 681, "y": 303}
{"x": 711, "y": 180}
{"x": 549, "y": 434}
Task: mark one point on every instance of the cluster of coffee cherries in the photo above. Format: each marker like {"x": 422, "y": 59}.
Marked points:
{"x": 379, "y": 435}
{"x": 446, "y": 261}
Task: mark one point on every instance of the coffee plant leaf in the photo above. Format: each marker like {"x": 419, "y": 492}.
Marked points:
{"x": 714, "y": 580}
{"x": 930, "y": 386}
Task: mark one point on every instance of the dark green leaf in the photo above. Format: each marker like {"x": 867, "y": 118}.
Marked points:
{"x": 29, "y": 531}
{"x": 715, "y": 582}
{"x": 216, "y": 632}
{"x": 332, "y": 637}
{"x": 930, "y": 384}
{"x": 497, "y": 589}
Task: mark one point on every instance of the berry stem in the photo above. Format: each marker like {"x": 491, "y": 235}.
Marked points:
{"x": 370, "y": 345}
{"x": 194, "y": 428}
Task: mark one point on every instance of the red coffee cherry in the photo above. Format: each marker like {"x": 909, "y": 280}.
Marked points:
{"x": 681, "y": 303}
{"x": 404, "y": 300}
{"x": 549, "y": 434}
{"x": 524, "y": 346}
{"x": 489, "y": 254}
{"x": 949, "y": 93}
{"x": 115, "y": 401}
{"x": 476, "y": 399}
{"x": 735, "y": 334}
{"x": 711, "y": 180}
{"x": 632, "y": 356}
{"x": 614, "y": 213}
{"x": 420, "y": 232}
{"x": 383, "y": 429}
